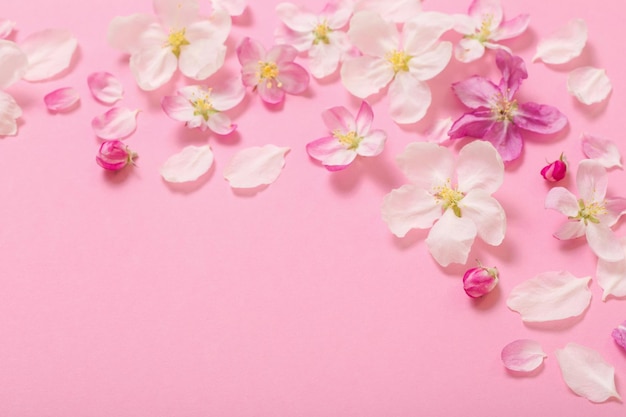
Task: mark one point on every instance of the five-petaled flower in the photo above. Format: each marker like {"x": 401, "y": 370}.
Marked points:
{"x": 13, "y": 65}
{"x": 351, "y": 136}
{"x": 460, "y": 208}
{"x": 272, "y": 73}
{"x": 496, "y": 115}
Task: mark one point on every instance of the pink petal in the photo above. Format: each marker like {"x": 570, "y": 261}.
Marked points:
{"x": 409, "y": 207}
{"x": 505, "y": 137}
{"x": 188, "y": 165}
{"x": 611, "y": 276}
{"x": 426, "y": 164}
{"x": 363, "y": 76}
{"x": 372, "y": 144}
{"x": 372, "y": 35}
{"x": 331, "y": 153}
{"x": 228, "y": 94}
{"x": 523, "y": 355}
{"x": 422, "y": 32}
{"x": 49, "y": 52}
{"x": 603, "y": 242}
{"x": 270, "y": 92}
{"x": 589, "y": 85}
{"x": 293, "y": 77}
{"x": 571, "y": 229}
{"x": 281, "y": 54}
{"x": 153, "y": 67}
{"x": 296, "y": 18}
{"x": 602, "y": 150}
{"x": 6, "y": 27}
{"x": 513, "y": 71}
{"x": 451, "y": 238}
{"x": 255, "y": 166}
{"x": 438, "y": 132}
{"x": 586, "y": 373}
{"x": 13, "y": 63}
{"x": 250, "y": 51}
{"x": 117, "y": 123}
{"x": 364, "y": 118}
{"x": 592, "y": 180}
{"x": 105, "y": 87}
{"x": 397, "y": 11}
{"x": 232, "y": 7}
{"x": 61, "y": 99}
{"x": 176, "y": 13}
{"x": 125, "y": 32}
{"x": 476, "y": 92}
{"x": 409, "y": 98}
{"x": 475, "y": 124}
{"x": 9, "y": 113}
{"x": 339, "y": 119}
{"x": 481, "y": 9}
{"x": 487, "y": 214}
{"x": 619, "y": 335}
{"x": 615, "y": 208}
{"x": 479, "y": 167}
{"x": 178, "y": 108}
{"x": 221, "y": 124}
{"x": 511, "y": 28}
{"x": 562, "y": 200}
{"x": 550, "y": 296}
{"x": 563, "y": 45}
{"x": 539, "y": 118}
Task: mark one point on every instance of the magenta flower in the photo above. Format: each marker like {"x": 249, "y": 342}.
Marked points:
{"x": 496, "y": 116}
{"x": 480, "y": 281}
{"x": 350, "y": 137}
{"x": 555, "y": 171}
{"x": 273, "y": 73}
{"x": 115, "y": 155}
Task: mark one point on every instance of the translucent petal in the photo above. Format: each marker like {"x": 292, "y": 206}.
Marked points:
{"x": 61, "y": 99}
{"x": 255, "y": 166}
{"x": 105, "y": 87}
{"x": 564, "y": 44}
{"x": 602, "y": 150}
{"x": 117, "y": 123}
{"x": 49, "y": 52}
{"x": 409, "y": 207}
{"x": 523, "y": 355}
{"x": 188, "y": 165}
{"x": 589, "y": 85}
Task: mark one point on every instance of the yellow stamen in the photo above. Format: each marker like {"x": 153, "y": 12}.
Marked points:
{"x": 504, "y": 110}
{"x": 177, "y": 40}
{"x": 268, "y": 71}
{"x": 350, "y": 140}
{"x": 321, "y": 32}
{"x": 589, "y": 212}
{"x": 202, "y": 106}
{"x": 449, "y": 197}
{"x": 483, "y": 33}
{"x": 399, "y": 60}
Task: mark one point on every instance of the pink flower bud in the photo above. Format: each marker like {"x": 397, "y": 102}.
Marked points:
{"x": 480, "y": 280}
{"x": 114, "y": 155}
{"x": 555, "y": 171}
{"x": 619, "y": 334}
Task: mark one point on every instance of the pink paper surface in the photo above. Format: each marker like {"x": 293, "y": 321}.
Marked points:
{"x": 121, "y": 295}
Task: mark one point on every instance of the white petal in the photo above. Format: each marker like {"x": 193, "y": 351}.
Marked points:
{"x": 126, "y": 32}
{"x": 9, "y": 112}
{"x": 426, "y": 164}
{"x": 562, "y": 200}
{"x": 523, "y": 355}
{"x": 232, "y": 7}
{"x": 571, "y": 229}
{"x": 6, "y": 27}
{"x": 550, "y": 296}
{"x": 451, "y": 238}
{"x": 589, "y": 85}
{"x": 487, "y": 214}
{"x": 479, "y": 167}
{"x": 564, "y": 44}
{"x": 431, "y": 62}
{"x": 409, "y": 207}
{"x": 469, "y": 49}
{"x": 602, "y": 150}
{"x": 423, "y": 30}
{"x": 409, "y": 98}
{"x": 603, "y": 242}
{"x": 13, "y": 63}
{"x": 201, "y": 59}
{"x": 586, "y": 373}
{"x": 323, "y": 59}
{"x": 612, "y": 276}
{"x": 438, "y": 132}
{"x": 296, "y": 18}
{"x": 592, "y": 180}
{"x": 364, "y": 75}
{"x": 188, "y": 165}
{"x": 117, "y": 123}
{"x": 61, "y": 99}
{"x": 49, "y": 53}
{"x": 105, "y": 87}
{"x": 153, "y": 67}
{"x": 372, "y": 35}
{"x": 176, "y": 14}
{"x": 397, "y": 11}
{"x": 255, "y": 166}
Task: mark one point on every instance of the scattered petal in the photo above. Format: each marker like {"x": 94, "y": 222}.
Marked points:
{"x": 523, "y": 355}
{"x": 105, "y": 87}
{"x": 10, "y": 111}
{"x": 61, "y": 99}
{"x": 563, "y": 45}
{"x": 612, "y": 276}
{"x": 117, "y": 123}
{"x": 6, "y": 27}
{"x": 550, "y": 296}
{"x": 619, "y": 335}
{"x": 604, "y": 151}
{"x": 255, "y": 166}
{"x": 589, "y": 85}
{"x": 586, "y": 373}
{"x": 188, "y": 165}
{"x": 13, "y": 63}
{"x": 49, "y": 53}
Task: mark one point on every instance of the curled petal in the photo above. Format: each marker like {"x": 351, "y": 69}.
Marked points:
{"x": 188, "y": 165}
{"x": 602, "y": 150}
{"x": 117, "y": 123}
{"x": 612, "y": 276}
{"x": 451, "y": 238}
{"x": 105, "y": 87}
{"x": 511, "y": 28}
{"x": 49, "y": 53}
{"x": 539, "y": 118}
{"x": 409, "y": 207}
{"x": 426, "y": 164}
{"x": 550, "y": 296}
{"x": 589, "y": 85}
{"x": 409, "y": 98}
{"x": 562, "y": 200}
{"x": 255, "y": 166}
{"x": 479, "y": 167}
{"x": 13, "y": 63}
{"x": 331, "y": 153}
{"x": 563, "y": 45}
{"x": 9, "y": 113}
{"x": 61, "y": 99}
{"x": 523, "y": 355}
{"x": 6, "y": 27}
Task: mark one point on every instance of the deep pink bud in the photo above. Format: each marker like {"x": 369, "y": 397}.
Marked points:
{"x": 619, "y": 334}
{"x": 480, "y": 280}
{"x": 556, "y": 170}
{"x": 114, "y": 155}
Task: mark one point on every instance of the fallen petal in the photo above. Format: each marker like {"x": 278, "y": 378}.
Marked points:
{"x": 589, "y": 85}
{"x": 49, "y": 53}
{"x": 586, "y": 373}
{"x": 604, "y": 151}
{"x": 619, "y": 335}
{"x": 563, "y": 45}
{"x": 612, "y": 276}
{"x": 61, "y": 99}
{"x": 105, "y": 87}
{"x": 188, "y": 165}
{"x": 6, "y": 27}
{"x": 117, "y": 123}
{"x": 255, "y": 166}
{"x": 10, "y": 111}
{"x": 523, "y": 355}
{"x": 550, "y": 296}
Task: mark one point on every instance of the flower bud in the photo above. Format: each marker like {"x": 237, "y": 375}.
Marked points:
{"x": 555, "y": 171}
{"x": 619, "y": 334}
{"x": 114, "y": 155}
{"x": 480, "y": 281}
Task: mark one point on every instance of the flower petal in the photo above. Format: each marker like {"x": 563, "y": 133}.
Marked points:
{"x": 511, "y": 28}
{"x": 564, "y": 44}
{"x": 324, "y": 59}
{"x": 431, "y": 62}
{"x": 293, "y": 77}
{"x": 484, "y": 9}
{"x": 422, "y": 31}
{"x": 250, "y": 52}
{"x": 619, "y": 335}
{"x": 562, "y": 200}
{"x": 523, "y": 355}
{"x": 125, "y": 32}
{"x": 612, "y": 275}
{"x": 364, "y": 75}
{"x": 476, "y": 92}
{"x": 9, "y": 112}
{"x": 513, "y": 71}
{"x": 255, "y": 166}
{"x": 550, "y": 296}
{"x": 589, "y": 85}
{"x": 539, "y": 118}
{"x": 232, "y": 7}
{"x": 117, "y": 123}
{"x": 61, "y": 99}
{"x": 426, "y": 165}
{"x": 438, "y": 132}
{"x": 175, "y": 14}
{"x": 364, "y": 118}
{"x": 506, "y": 138}
{"x": 188, "y": 165}
{"x": 409, "y": 207}
{"x": 372, "y": 35}
{"x": 221, "y": 124}
{"x": 6, "y": 27}
{"x": 475, "y": 124}
{"x": 153, "y": 67}
{"x": 570, "y": 230}
{"x": 586, "y": 373}
{"x": 178, "y": 108}
{"x": 469, "y": 49}
{"x": 602, "y": 150}
{"x": 487, "y": 214}
{"x": 201, "y": 59}
{"x": 372, "y": 144}
{"x": 592, "y": 180}
{"x": 397, "y": 11}
{"x": 339, "y": 119}
{"x": 451, "y": 238}
{"x": 479, "y": 167}
{"x": 603, "y": 242}
{"x": 409, "y": 98}
{"x": 331, "y": 153}
{"x": 13, "y": 63}
{"x": 296, "y": 18}
{"x": 228, "y": 94}
{"x": 49, "y": 53}
{"x": 105, "y": 87}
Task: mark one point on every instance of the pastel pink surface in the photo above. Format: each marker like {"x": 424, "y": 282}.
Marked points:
{"x": 122, "y": 295}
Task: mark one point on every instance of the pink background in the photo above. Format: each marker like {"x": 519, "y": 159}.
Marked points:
{"x": 121, "y": 295}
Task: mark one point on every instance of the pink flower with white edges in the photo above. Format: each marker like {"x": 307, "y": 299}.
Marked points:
{"x": 177, "y": 37}
{"x": 203, "y": 107}
{"x": 272, "y": 73}
{"x": 483, "y": 27}
{"x": 320, "y": 36}
{"x": 402, "y": 61}
{"x": 114, "y": 155}
{"x": 455, "y": 209}
{"x": 592, "y": 214}
{"x": 350, "y": 137}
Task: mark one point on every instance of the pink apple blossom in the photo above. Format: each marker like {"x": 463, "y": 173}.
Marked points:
{"x": 480, "y": 281}
{"x": 351, "y": 136}
{"x": 556, "y": 170}
{"x": 114, "y": 155}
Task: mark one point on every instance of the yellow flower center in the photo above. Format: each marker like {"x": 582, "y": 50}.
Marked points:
{"x": 504, "y": 110}
{"x": 177, "y": 40}
{"x": 202, "y": 106}
{"x": 589, "y": 212}
{"x": 483, "y": 33}
{"x": 449, "y": 197}
{"x": 268, "y": 71}
{"x": 321, "y": 32}
{"x": 399, "y": 60}
{"x": 350, "y": 140}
